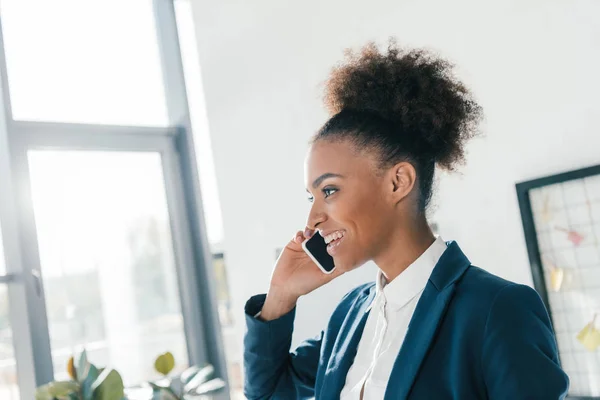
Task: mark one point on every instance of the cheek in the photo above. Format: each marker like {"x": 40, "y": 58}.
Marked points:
{"x": 368, "y": 220}
{"x": 365, "y": 219}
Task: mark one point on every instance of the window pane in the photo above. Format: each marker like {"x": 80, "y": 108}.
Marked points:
{"x": 8, "y": 370}
{"x": 107, "y": 259}
{"x": 93, "y": 61}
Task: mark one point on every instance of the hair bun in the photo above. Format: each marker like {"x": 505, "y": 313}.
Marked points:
{"x": 415, "y": 90}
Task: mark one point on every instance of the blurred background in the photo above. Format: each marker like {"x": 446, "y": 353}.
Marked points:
{"x": 151, "y": 161}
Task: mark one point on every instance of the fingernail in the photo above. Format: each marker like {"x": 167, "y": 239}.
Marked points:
{"x": 308, "y": 233}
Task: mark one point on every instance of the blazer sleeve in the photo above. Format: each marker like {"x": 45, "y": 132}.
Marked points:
{"x": 271, "y": 371}
{"x": 519, "y": 354}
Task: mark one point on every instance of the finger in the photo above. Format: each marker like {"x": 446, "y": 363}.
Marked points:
{"x": 308, "y": 233}
{"x": 299, "y": 237}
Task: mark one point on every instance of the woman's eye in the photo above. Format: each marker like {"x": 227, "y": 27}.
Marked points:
{"x": 329, "y": 191}
{"x": 326, "y": 192}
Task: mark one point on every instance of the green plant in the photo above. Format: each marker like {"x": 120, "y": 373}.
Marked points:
{"x": 89, "y": 383}
{"x": 192, "y": 383}
{"x": 92, "y": 383}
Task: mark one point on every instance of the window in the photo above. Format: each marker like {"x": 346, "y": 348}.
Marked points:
{"x": 94, "y": 61}
{"x": 107, "y": 259}
{"x": 107, "y": 247}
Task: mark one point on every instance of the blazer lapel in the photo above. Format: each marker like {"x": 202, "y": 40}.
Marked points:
{"x": 346, "y": 345}
{"x": 425, "y": 321}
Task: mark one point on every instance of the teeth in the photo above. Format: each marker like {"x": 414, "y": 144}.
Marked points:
{"x": 333, "y": 236}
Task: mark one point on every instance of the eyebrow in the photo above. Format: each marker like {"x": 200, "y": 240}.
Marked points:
{"x": 327, "y": 175}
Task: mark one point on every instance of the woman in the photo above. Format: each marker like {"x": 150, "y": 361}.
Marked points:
{"x": 432, "y": 326}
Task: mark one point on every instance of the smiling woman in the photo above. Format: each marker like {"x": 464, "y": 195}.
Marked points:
{"x": 396, "y": 116}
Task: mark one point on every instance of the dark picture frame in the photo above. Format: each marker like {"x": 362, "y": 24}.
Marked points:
{"x": 540, "y": 281}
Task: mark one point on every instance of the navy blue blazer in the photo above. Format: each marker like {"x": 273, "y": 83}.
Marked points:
{"x": 473, "y": 335}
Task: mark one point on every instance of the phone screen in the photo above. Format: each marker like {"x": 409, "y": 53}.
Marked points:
{"x": 317, "y": 247}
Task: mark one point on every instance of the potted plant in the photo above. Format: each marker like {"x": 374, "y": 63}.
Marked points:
{"x": 91, "y": 383}
{"x": 193, "y": 383}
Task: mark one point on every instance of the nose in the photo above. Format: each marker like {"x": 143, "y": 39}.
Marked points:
{"x": 316, "y": 216}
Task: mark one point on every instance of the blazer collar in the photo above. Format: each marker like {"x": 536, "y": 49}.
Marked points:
{"x": 346, "y": 345}
{"x": 421, "y": 331}
{"x": 450, "y": 267}
{"x": 423, "y": 327}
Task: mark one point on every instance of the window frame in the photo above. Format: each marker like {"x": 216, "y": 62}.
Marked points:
{"x": 193, "y": 257}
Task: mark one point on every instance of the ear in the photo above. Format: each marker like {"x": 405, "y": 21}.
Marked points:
{"x": 403, "y": 177}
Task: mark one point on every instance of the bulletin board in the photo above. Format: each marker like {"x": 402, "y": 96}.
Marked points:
{"x": 561, "y": 222}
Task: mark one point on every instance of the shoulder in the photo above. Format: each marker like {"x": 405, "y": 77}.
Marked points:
{"x": 482, "y": 284}
{"x": 498, "y": 297}
{"x": 517, "y": 303}
{"x": 358, "y": 292}
{"x": 346, "y": 309}
{"x": 363, "y": 289}
{"x": 350, "y": 299}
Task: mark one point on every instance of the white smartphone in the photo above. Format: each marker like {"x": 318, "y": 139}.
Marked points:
{"x": 316, "y": 248}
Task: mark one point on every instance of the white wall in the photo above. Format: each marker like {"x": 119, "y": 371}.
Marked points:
{"x": 532, "y": 64}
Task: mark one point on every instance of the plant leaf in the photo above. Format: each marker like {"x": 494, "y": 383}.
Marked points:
{"x": 43, "y": 393}
{"x": 210, "y": 386}
{"x": 188, "y": 374}
{"x": 164, "y": 363}
{"x": 154, "y": 386}
{"x": 81, "y": 366}
{"x": 176, "y": 386}
{"x": 73, "y": 396}
{"x": 58, "y": 390}
{"x": 164, "y": 394}
{"x": 71, "y": 368}
{"x": 201, "y": 376}
{"x": 108, "y": 386}
{"x": 86, "y": 386}
{"x": 86, "y": 374}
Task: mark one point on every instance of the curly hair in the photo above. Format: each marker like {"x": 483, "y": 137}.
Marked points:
{"x": 406, "y": 104}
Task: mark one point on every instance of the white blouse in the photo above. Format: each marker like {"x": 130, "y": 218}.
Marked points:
{"x": 386, "y": 326}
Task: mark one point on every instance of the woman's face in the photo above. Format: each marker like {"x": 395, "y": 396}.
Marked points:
{"x": 354, "y": 203}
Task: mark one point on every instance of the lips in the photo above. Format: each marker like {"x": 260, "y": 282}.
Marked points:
{"x": 332, "y": 236}
{"x": 333, "y": 240}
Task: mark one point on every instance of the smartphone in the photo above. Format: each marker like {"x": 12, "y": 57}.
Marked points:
{"x": 316, "y": 248}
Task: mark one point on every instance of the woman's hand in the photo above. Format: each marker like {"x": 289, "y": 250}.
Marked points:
{"x": 294, "y": 275}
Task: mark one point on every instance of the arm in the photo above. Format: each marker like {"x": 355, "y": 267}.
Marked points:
{"x": 271, "y": 371}
{"x": 519, "y": 355}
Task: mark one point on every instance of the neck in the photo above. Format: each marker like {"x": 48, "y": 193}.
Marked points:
{"x": 404, "y": 247}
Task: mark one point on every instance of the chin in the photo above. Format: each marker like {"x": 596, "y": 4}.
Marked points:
{"x": 345, "y": 265}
